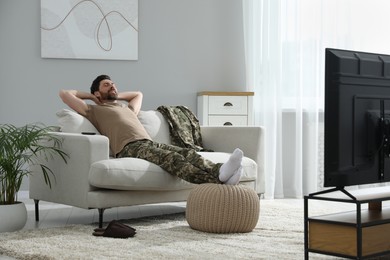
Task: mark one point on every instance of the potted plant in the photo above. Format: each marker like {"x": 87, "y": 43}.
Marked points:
{"x": 20, "y": 148}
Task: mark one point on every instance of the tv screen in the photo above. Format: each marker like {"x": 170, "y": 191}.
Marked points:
{"x": 357, "y": 118}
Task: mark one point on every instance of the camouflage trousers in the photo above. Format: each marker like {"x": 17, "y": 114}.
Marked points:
{"x": 184, "y": 163}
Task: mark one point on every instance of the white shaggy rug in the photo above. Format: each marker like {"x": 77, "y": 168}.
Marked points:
{"x": 278, "y": 235}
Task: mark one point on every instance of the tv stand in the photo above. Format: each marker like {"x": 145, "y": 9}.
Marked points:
{"x": 342, "y": 189}
{"x": 356, "y": 234}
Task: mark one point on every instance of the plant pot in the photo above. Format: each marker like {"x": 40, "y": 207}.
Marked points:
{"x": 12, "y": 217}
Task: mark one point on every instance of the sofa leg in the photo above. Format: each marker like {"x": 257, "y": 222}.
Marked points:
{"x": 36, "y": 202}
{"x": 101, "y": 211}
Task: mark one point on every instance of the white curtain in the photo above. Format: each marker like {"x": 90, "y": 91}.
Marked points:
{"x": 285, "y": 43}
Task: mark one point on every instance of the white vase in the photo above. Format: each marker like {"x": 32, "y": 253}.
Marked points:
{"x": 12, "y": 217}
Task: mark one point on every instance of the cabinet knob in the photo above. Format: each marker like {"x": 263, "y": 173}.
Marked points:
{"x": 227, "y": 123}
{"x": 228, "y": 104}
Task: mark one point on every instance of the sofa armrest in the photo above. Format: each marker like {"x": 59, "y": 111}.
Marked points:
{"x": 250, "y": 139}
{"x": 70, "y": 185}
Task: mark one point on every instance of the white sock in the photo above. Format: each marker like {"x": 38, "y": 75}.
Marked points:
{"x": 235, "y": 179}
{"x": 229, "y": 168}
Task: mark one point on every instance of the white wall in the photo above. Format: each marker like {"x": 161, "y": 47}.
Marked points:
{"x": 185, "y": 46}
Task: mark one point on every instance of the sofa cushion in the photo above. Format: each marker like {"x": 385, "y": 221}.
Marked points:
{"x": 153, "y": 121}
{"x": 156, "y": 125}
{"x": 137, "y": 174}
{"x": 72, "y": 122}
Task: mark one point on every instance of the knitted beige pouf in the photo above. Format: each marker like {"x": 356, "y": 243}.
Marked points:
{"x": 218, "y": 208}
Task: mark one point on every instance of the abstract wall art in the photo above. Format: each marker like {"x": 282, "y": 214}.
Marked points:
{"x": 89, "y": 29}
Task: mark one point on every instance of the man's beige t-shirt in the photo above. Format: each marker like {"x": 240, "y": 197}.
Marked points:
{"x": 118, "y": 122}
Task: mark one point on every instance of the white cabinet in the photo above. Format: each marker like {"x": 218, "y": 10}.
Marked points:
{"x": 225, "y": 108}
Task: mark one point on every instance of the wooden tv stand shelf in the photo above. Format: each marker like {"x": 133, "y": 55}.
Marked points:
{"x": 356, "y": 234}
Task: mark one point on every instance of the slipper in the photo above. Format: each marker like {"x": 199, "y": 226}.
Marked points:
{"x": 119, "y": 223}
{"x": 115, "y": 230}
{"x": 102, "y": 229}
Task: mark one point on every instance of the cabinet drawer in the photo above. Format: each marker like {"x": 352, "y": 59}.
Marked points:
{"x": 228, "y": 105}
{"x": 228, "y": 120}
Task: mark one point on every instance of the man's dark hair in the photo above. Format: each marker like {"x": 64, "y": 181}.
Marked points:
{"x": 96, "y": 82}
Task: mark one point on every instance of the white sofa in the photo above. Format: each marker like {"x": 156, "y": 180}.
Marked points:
{"x": 91, "y": 179}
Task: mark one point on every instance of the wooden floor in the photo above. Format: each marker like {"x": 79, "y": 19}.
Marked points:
{"x": 58, "y": 215}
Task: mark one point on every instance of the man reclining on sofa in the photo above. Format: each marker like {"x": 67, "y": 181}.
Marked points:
{"x": 128, "y": 137}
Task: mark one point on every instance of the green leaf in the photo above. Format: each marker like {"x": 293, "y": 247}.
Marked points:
{"x": 20, "y": 148}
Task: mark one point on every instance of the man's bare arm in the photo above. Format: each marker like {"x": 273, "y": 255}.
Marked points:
{"x": 75, "y": 100}
{"x": 134, "y": 98}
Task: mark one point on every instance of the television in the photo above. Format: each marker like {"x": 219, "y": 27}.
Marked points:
{"x": 357, "y": 118}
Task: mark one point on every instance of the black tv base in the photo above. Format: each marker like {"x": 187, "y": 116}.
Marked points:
{"x": 341, "y": 189}
{"x": 358, "y": 234}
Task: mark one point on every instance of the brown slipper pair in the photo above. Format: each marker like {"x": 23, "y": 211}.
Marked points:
{"x": 115, "y": 229}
